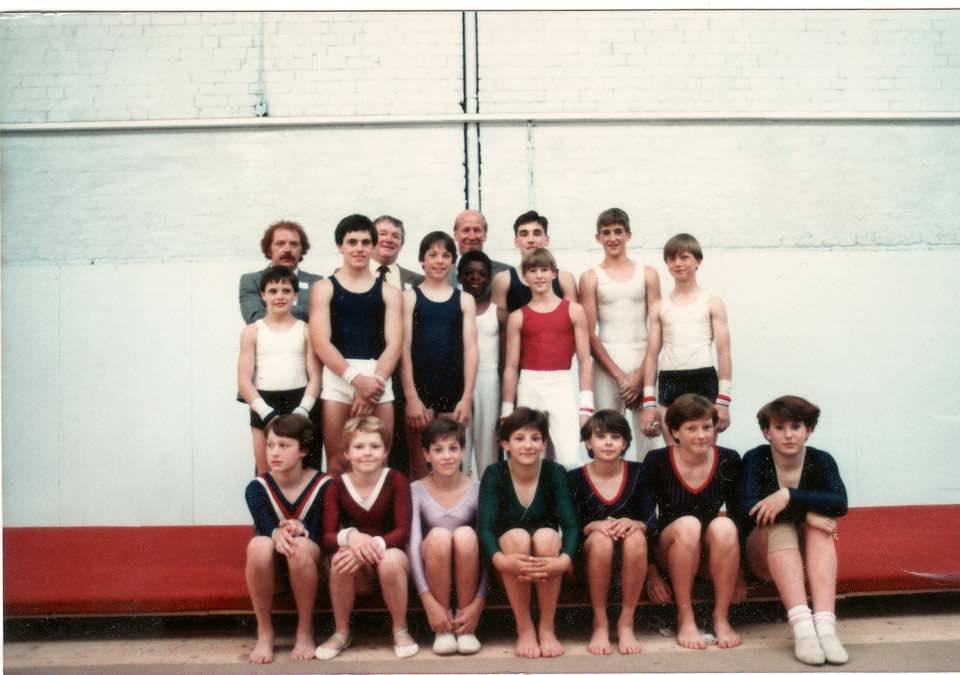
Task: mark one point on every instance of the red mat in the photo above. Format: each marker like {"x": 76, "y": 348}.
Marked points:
{"x": 145, "y": 570}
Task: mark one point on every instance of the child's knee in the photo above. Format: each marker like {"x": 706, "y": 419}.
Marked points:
{"x": 465, "y": 540}
{"x": 546, "y": 542}
{"x": 515, "y": 541}
{"x": 598, "y": 545}
{"x": 684, "y": 530}
{"x": 722, "y": 532}
{"x": 438, "y": 541}
{"x": 635, "y": 544}
{"x": 260, "y": 551}
{"x": 393, "y": 563}
{"x": 782, "y": 537}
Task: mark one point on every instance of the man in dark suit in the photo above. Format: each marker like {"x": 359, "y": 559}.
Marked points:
{"x": 283, "y": 243}
{"x": 470, "y": 233}
{"x": 383, "y": 262}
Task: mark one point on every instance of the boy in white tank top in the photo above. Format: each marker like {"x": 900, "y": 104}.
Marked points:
{"x": 277, "y": 371}
{"x": 615, "y": 295}
{"x": 683, "y": 329}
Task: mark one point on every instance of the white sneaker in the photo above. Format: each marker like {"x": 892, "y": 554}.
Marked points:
{"x": 468, "y": 644}
{"x": 404, "y": 651}
{"x": 444, "y": 644}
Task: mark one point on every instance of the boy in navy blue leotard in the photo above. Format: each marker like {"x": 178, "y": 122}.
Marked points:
{"x": 286, "y": 503}
{"x": 357, "y": 334}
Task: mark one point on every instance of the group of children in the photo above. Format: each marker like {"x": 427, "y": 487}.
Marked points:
{"x": 537, "y": 515}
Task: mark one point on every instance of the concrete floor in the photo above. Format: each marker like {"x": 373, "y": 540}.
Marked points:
{"x": 899, "y": 633}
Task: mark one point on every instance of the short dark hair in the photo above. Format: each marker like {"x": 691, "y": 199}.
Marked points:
{"x": 276, "y": 274}
{"x": 680, "y": 243}
{"x": 529, "y": 217}
{"x": 538, "y": 257}
{"x": 789, "y": 409}
{"x": 474, "y": 256}
{"x": 435, "y": 237}
{"x": 441, "y": 427}
{"x": 297, "y": 427}
{"x": 266, "y": 241}
{"x": 355, "y": 222}
{"x": 613, "y": 216}
{"x": 607, "y": 421}
{"x": 687, "y": 408}
{"x": 525, "y": 417}
{"x": 396, "y": 222}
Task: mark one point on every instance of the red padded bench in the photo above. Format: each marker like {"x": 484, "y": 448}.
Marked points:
{"x": 64, "y": 571}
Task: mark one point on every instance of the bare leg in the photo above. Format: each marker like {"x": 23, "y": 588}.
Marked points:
{"x": 343, "y": 593}
{"x": 680, "y": 549}
{"x": 335, "y": 415}
{"x": 259, "y": 572}
{"x": 437, "y": 549}
{"x": 664, "y": 431}
{"x": 303, "y": 581}
{"x": 392, "y": 571}
{"x": 259, "y": 449}
{"x": 417, "y": 463}
{"x": 466, "y": 555}
{"x": 384, "y": 411}
{"x": 546, "y": 543}
{"x": 518, "y": 593}
{"x": 821, "y": 562}
{"x": 633, "y": 575}
{"x": 599, "y": 552}
{"x": 723, "y": 551}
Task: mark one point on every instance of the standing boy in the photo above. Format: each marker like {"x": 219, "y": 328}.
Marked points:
{"x": 684, "y": 327}
{"x": 356, "y": 331}
{"x": 542, "y": 338}
{"x": 615, "y": 295}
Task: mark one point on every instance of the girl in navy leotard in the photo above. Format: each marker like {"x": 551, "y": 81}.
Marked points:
{"x": 790, "y": 492}
{"x": 690, "y": 481}
{"x": 439, "y": 362}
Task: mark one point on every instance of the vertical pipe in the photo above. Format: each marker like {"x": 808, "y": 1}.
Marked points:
{"x": 471, "y": 139}
{"x": 531, "y": 166}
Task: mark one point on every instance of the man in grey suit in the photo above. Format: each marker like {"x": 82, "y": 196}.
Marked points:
{"x": 383, "y": 261}
{"x": 283, "y": 243}
{"x": 470, "y": 233}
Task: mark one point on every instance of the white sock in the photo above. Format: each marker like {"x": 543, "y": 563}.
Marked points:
{"x": 806, "y": 646}
{"x": 826, "y": 625}
{"x": 801, "y": 620}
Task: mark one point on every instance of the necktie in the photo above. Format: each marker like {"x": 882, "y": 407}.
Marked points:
{"x": 382, "y": 272}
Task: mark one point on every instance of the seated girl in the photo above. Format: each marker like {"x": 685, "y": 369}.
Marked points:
{"x": 615, "y": 510}
{"x": 523, "y": 500}
{"x": 690, "y": 481}
{"x": 793, "y": 494}
{"x": 366, "y": 525}
{"x": 286, "y": 503}
{"x": 444, "y": 552}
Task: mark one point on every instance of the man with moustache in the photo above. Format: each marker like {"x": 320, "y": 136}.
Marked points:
{"x": 284, "y": 243}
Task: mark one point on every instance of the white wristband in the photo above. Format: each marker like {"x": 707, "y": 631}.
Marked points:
{"x": 343, "y": 536}
{"x": 381, "y": 543}
{"x": 649, "y": 391}
{"x": 506, "y": 409}
{"x": 261, "y": 407}
{"x": 350, "y": 374}
{"x": 726, "y": 387}
{"x": 307, "y": 402}
{"x": 586, "y": 400}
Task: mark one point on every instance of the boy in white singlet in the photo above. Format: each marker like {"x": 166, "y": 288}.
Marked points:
{"x": 615, "y": 295}
{"x": 277, "y": 371}
{"x": 684, "y": 327}
{"x": 543, "y": 336}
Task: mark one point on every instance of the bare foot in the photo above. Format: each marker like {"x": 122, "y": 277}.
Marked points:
{"x": 550, "y": 645}
{"x": 304, "y": 647}
{"x": 688, "y": 635}
{"x": 600, "y": 640}
{"x": 726, "y": 636}
{"x": 262, "y": 651}
{"x": 527, "y": 645}
{"x": 627, "y": 640}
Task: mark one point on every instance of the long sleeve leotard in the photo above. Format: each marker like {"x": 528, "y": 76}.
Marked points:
{"x": 268, "y": 506}
{"x": 386, "y": 512}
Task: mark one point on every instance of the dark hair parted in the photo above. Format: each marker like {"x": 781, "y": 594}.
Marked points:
{"x": 682, "y": 243}
{"x": 442, "y": 427}
{"x": 276, "y": 274}
{"x": 524, "y": 417}
{"x": 297, "y": 427}
{"x": 607, "y": 422}
{"x": 613, "y": 216}
{"x": 688, "y": 408}
{"x": 355, "y": 222}
{"x": 266, "y": 241}
{"x": 529, "y": 217}
{"x": 396, "y": 222}
{"x": 789, "y": 409}
{"x": 537, "y": 258}
{"x": 438, "y": 237}
{"x": 474, "y": 256}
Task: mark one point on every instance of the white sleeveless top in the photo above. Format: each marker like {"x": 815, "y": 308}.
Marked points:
{"x": 622, "y": 308}
{"x": 281, "y": 362}
{"x": 488, "y": 339}
{"x": 687, "y": 334}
